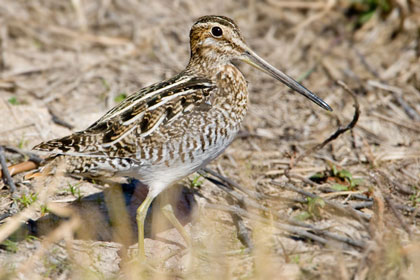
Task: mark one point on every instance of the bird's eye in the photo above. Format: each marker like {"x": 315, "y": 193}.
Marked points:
{"x": 216, "y": 31}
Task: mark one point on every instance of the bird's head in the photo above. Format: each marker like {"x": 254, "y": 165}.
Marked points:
{"x": 216, "y": 41}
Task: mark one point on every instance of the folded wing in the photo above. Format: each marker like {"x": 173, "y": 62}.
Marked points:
{"x": 138, "y": 116}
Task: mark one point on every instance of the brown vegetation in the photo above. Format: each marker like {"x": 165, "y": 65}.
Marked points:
{"x": 272, "y": 206}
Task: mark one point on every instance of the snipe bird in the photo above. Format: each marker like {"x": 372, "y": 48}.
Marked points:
{"x": 164, "y": 132}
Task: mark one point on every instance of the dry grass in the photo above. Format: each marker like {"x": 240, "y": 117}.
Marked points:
{"x": 74, "y": 59}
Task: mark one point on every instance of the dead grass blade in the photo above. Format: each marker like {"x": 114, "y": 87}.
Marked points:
{"x": 64, "y": 231}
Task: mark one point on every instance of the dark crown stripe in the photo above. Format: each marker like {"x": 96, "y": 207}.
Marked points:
{"x": 219, "y": 19}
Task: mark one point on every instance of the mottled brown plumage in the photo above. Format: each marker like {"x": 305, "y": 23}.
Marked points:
{"x": 166, "y": 131}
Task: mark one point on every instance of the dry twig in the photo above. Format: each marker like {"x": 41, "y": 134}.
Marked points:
{"x": 57, "y": 120}
{"x": 252, "y": 203}
{"x": 32, "y": 162}
{"x": 5, "y": 171}
{"x": 347, "y": 211}
{"x": 339, "y": 131}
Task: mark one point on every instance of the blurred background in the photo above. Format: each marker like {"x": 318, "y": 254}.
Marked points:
{"x": 347, "y": 211}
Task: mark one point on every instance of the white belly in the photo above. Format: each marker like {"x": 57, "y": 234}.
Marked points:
{"x": 190, "y": 154}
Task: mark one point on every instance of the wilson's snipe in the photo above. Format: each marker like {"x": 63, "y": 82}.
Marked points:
{"x": 169, "y": 130}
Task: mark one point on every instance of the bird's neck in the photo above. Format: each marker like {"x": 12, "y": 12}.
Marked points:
{"x": 206, "y": 65}
{"x": 232, "y": 94}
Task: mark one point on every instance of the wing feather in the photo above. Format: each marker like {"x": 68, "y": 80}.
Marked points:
{"x": 142, "y": 113}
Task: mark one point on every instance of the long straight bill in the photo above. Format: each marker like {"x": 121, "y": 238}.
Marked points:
{"x": 253, "y": 59}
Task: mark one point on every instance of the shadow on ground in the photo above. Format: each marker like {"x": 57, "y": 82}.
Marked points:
{"x": 96, "y": 221}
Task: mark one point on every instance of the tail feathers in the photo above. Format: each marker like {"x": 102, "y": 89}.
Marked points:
{"x": 64, "y": 165}
{"x": 51, "y": 166}
{"x": 32, "y": 175}
{"x": 75, "y": 144}
{"x": 43, "y": 169}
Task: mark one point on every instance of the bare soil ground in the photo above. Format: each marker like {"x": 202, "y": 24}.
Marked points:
{"x": 347, "y": 211}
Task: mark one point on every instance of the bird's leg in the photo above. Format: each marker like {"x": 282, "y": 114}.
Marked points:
{"x": 168, "y": 211}
{"x": 141, "y": 216}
